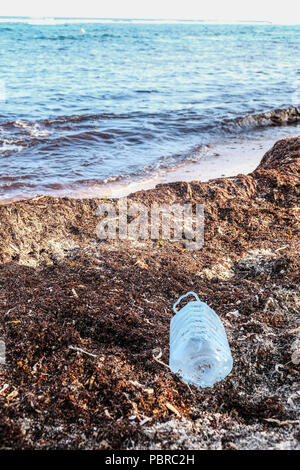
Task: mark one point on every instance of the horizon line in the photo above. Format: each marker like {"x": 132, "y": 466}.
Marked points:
{"x": 130, "y": 18}
{"x": 140, "y": 19}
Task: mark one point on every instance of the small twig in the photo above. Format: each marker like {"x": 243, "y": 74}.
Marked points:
{"x": 233, "y": 446}
{"x": 166, "y": 365}
{"x": 173, "y": 409}
{"x": 144, "y": 421}
{"x": 75, "y": 293}
{"x": 281, "y": 248}
{"x": 82, "y": 350}
{"x": 281, "y": 423}
{"x": 5, "y": 386}
{"x": 10, "y": 310}
{"x": 160, "y": 362}
{"x": 190, "y": 389}
{"x": 36, "y": 198}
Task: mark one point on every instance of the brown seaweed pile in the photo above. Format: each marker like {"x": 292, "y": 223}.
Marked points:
{"x": 85, "y": 322}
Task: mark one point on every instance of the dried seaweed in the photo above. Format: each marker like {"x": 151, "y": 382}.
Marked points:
{"x": 83, "y": 320}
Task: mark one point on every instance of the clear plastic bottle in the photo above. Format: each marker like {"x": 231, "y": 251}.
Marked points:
{"x": 199, "y": 349}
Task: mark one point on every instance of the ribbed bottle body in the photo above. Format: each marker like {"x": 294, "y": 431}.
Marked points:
{"x": 199, "y": 349}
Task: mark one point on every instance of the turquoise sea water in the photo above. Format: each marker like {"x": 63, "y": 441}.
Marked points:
{"x": 126, "y": 98}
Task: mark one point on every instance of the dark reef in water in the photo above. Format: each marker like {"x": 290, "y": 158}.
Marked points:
{"x": 84, "y": 320}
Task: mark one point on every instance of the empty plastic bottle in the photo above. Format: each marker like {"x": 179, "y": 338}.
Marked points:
{"x": 199, "y": 349}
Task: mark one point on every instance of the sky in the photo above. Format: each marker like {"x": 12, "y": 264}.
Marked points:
{"x": 220, "y": 10}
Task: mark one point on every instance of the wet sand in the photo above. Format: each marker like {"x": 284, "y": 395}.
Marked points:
{"x": 227, "y": 159}
{"x": 221, "y": 160}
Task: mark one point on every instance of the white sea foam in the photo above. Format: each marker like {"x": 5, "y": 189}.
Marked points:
{"x": 34, "y": 130}
{"x": 10, "y": 147}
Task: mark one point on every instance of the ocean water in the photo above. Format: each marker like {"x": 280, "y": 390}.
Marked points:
{"x": 127, "y": 98}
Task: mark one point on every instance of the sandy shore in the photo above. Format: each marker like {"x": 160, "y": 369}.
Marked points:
{"x": 86, "y": 321}
{"x": 224, "y": 159}
{"x": 238, "y": 155}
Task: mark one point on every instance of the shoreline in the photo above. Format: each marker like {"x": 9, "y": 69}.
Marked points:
{"x": 219, "y": 160}
{"x": 224, "y": 159}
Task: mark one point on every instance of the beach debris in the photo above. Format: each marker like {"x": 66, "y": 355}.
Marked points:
{"x": 91, "y": 382}
{"x": 173, "y": 409}
{"x": 37, "y": 198}
{"x": 281, "y": 248}
{"x": 12, "y": 395}
{"x": 281, "y": 423}
{"x": 277, "y": 371}
{"x": 157, "y": 358}
{"x": 296, "y": 357}
{"x": 107, "y": 414}
{"x": 189, "y": 191}
{"x": 141, "y": 263}
{"x": 295, "y": 347}
{"x": 75, "y": 293}
{"x": 149, "y": 391}
{"x": 257, "y": 262}
{"x": 74, "y": 348}
{"x": 222, "y": 270}
{"x": 2, "y": 352}
{"x": 234, "y": 313}
{"x": 132, "y": 418}
{"x": 5, "y": 386}
{"x": 290, "y": 400}
{"x": 136, "y": 384}
{"x": 144, "y": 421}
{"x": 233, "y": 446}
{"x": 199, "y": 349}
{"x": 104, "y": 444}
